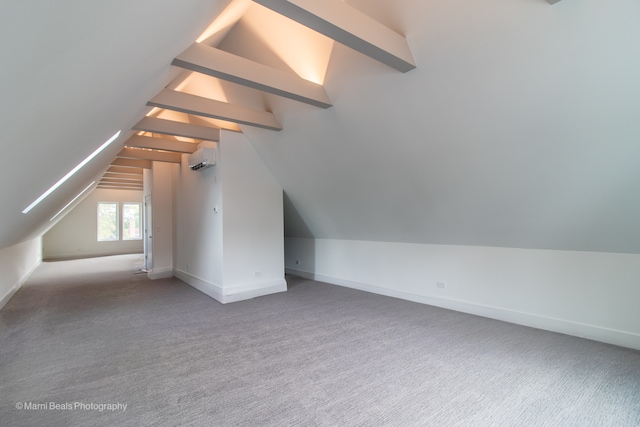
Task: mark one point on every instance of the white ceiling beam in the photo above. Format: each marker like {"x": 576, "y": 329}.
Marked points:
{"x": 553, "y": 1}
{"x": 117, "y": 181}
{"x": 116, "y": 177}
{"x": 132, "y": 163}
{"x": 161, "y": 144}
{"x": 119, "y": 187}
{"x": 121, "y": 181}
{"x": 227, "y": 66}
{"x": 199, "y": 106}
{"x": 170, "y": 127}
{"x": 124, "y": 184}
{"x": 124, "y": 170}
{"x": 156, "y": 156}
{"x": 350, "y": 27}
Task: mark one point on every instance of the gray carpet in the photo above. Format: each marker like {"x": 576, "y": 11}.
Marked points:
{"x": 91, "y": 332}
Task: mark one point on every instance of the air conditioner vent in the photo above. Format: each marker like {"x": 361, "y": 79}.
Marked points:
{"x": 202, "y": 158}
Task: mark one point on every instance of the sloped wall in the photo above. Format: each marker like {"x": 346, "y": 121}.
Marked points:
{"x": 506, "y": 163}
{"x": 518, "y": 128}
{"x": 65, "y": 97}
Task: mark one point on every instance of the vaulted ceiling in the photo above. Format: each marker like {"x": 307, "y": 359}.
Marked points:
{"x": 517, "y": 128}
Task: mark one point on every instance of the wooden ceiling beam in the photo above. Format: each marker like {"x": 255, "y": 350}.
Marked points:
{"x": 122, "y": 176}
{"x": 121, "y": 184}
{"x": 156, "y": 156}
{"x": 199, "y": 106}
{"x": 119, "y": 187}
{"x": 347, "y": 25}
{"x": 124, "y": 170}
{"x": 227, "y": 66}
{"x": 125, "y": 183}
{"x": 120, "y": 180}
{"x": 132, "y": 163}
{"x": 161, "y": 144}
{"x": 170, "y": 127}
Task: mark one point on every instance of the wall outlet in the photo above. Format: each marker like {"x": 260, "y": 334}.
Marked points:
{"x": 297, "y": 262}
{"x": 441, "y": 285}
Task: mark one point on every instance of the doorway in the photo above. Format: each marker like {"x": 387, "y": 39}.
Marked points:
{"x": 148, "y": 228}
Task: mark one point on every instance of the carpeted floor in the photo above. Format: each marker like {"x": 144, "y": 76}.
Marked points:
{"x": 87, "y": 334}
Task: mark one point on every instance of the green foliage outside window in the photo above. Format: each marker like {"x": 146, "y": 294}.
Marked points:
{"x": 131, "y": 218}
{"x": 107, "y": 221}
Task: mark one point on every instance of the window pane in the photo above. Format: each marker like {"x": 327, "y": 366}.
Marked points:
{"x": 131, "y": 221}
{"x": 107, "y": 221}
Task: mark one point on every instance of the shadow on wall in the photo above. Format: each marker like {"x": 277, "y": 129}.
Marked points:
{"x": 297, "y": 258}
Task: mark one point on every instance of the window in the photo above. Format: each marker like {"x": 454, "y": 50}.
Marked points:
{"x": 131, "y": 219}
{"x": 107, "y": 221}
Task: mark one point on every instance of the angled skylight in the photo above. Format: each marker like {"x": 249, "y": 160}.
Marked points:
{"x": 71, "y": 172}
{"x": 74, "y": 199}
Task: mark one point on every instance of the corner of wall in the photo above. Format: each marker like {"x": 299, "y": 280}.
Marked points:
{"x": 226, "y": 295}
{"x": 18, "y": 262}
{"x": 160, "y": 273}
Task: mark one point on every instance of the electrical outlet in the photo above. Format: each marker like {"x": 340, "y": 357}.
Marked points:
{"x": 441, "y": 285}
{"x": 297, "y": 262}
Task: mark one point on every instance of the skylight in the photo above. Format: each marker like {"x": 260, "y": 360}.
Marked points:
{"x": 71, "y": 172}
{"x": 74, "y": 199}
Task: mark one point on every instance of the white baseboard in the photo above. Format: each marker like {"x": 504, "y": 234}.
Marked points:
{"x": 593, "y": 332}
{"x": 207, "y": 288}
{"x": 239, "y": 293}
{"x": 5, "y": 299}
{"x": 75, "y": 255}
{"x": 160, "y": 273}
{"x": 231, "y": 294}
{"x": 7, "y": 296}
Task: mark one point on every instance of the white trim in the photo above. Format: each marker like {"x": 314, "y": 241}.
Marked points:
{"x": 582, "y": 330}
{"x": 66, "y": 256}
{"x": 207, "y": 288}
{"x": 242, "y": 292}
{"x": 7, "y": 296}
{"x": 229, "y": 294}
{"x": 5, "y": 299}
{"x": 160, "y": 273}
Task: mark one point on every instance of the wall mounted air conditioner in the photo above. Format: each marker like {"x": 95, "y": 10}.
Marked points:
{"x": 202, "y": 158}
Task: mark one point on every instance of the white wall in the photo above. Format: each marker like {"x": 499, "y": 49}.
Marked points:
{"x": 519, "y": 128}
{"x": 163, "y": 176}
{"x": 199, "y": 228}
{"x": 589, "y": 294}
{"x": 229, "y": 225}
{"x": 16, "y": 264}
{"x": 75, "y": 235}
{"x": 253, "y": 224}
